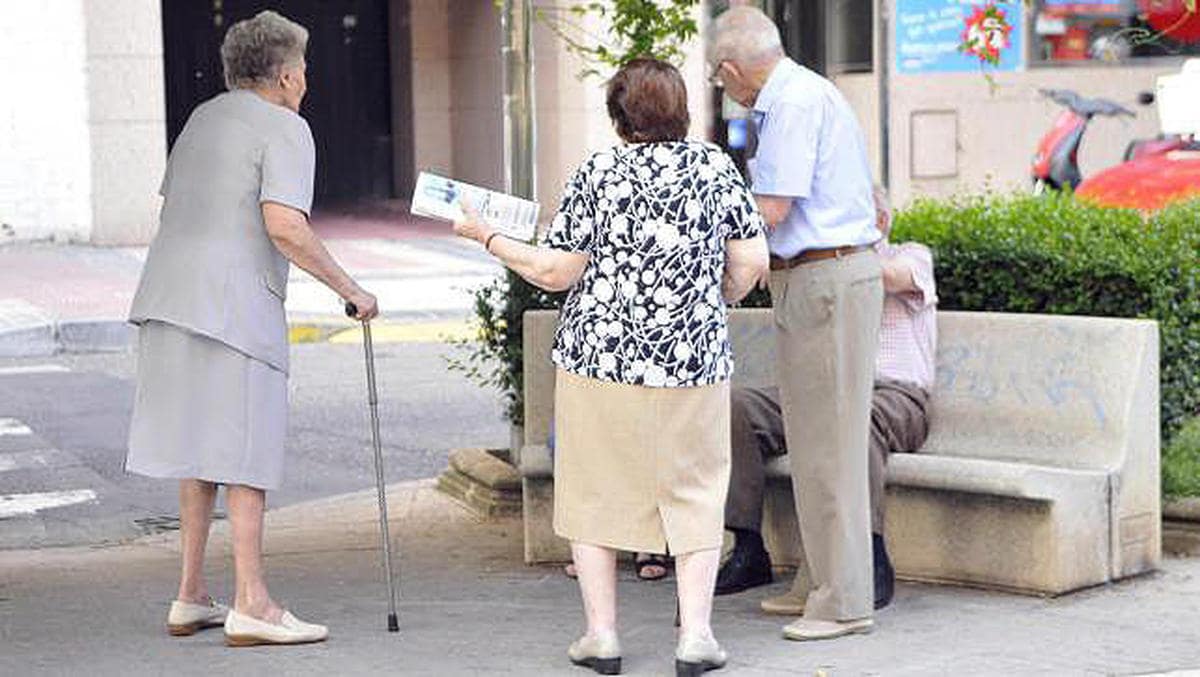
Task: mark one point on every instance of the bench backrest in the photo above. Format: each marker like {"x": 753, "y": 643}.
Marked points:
{"x": 1051, "y": 389}
{"x": 1047, "y": 389}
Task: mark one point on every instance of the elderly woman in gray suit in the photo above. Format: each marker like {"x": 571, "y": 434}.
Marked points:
{"x": 211, "y": 403}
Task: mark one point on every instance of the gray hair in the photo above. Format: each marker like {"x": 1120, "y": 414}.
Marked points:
{"x": 256, "y": 49}
{"x": 746, "y": 36}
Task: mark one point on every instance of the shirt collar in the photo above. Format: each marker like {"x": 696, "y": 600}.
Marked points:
{"x": 780, "y": 75}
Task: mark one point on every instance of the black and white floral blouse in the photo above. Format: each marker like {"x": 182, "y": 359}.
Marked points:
{"x": 654, "y": 218}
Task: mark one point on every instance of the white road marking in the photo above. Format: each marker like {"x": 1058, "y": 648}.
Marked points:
{"x": 12, "y": 426}
{"x": 34, "y": 369}
{"x": 417, "y": 294}
{"x": 20, "y": 314}
{"x": 25, "y": 460}
{"x": 13, "y": 505}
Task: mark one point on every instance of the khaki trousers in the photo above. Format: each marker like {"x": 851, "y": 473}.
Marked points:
{"x": 899, "y": 424}
{"x": 827, "y": 316}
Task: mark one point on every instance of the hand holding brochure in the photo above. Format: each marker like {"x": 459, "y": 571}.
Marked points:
{"x": 440, "y": 198}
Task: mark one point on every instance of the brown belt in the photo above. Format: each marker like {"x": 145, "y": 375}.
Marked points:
{"x": 810, "y": 255}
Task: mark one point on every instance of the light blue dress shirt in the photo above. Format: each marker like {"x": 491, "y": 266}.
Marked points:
{"x": 811, "y": 149}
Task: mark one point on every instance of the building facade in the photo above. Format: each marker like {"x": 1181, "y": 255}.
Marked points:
{"x": 395, "y": 87}
{"x": 82, "y": 146}
{"x": 100, "y": 88}
{"x": 938, "y": 124}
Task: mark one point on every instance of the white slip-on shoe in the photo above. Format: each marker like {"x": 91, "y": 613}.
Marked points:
{"x": 787, "y": 604}
{"x": 185, "y": 618}
{"x": 790, "y": 603}
{"x": 803, "y": 629}
{"x": 243, "y": 630}
{"x": 600, "y": 653}
{"x": 698, "y": 655}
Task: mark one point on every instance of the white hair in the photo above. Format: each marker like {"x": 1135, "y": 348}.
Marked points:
{"x": 256, "y": 49}
{"x": 746, "y": 36}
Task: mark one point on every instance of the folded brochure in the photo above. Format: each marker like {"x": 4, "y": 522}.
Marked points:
{"x": 440, "y": 198}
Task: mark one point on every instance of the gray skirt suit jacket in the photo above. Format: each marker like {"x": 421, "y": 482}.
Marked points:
{"x": 211, "y": 398}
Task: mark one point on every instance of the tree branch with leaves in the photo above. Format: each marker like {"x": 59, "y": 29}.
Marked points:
{"x": 632, "y": 28}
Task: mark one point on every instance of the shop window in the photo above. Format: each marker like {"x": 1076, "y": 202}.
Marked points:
{"x": 1114, "y": 30}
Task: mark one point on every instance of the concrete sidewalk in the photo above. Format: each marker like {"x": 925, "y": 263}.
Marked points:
{"x": 74, "y": 298}
{"x": 470, "y": 606}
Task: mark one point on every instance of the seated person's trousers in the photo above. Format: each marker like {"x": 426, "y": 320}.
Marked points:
{"x": 899, "y": 423}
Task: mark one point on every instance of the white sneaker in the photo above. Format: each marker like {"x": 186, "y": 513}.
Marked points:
{"x": 243, "y": 630}
{"x": 186, "y": 618}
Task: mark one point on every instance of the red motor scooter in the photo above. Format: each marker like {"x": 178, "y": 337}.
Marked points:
{"x": 1154, "y": 172}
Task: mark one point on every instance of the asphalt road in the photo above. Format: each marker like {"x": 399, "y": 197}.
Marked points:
{"x": 64, "y": 421}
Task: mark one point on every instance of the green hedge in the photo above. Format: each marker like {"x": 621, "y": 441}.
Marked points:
{"x": 1053, "y": 254}
{"x": 1181, "y": 461}
{"x": 494, "y": 358}
{"x": 1021, "y": 254}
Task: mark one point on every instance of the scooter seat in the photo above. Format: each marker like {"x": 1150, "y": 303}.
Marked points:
{"x": 1085, "y": 106}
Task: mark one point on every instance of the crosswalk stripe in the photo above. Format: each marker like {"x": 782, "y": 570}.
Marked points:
{"x": 14, "y": 505}
{"x": 12, "y": 426}
{"x": 41, "y": 458}
{"x": 34, "y": 369}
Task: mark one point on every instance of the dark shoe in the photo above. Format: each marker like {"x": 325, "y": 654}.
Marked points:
{"x": 652, "y": 567}
{"x": 885, "y": 575}
{"x": 744, "y": 569}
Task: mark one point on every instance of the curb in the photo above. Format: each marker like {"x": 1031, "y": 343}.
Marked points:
{"x": 412, "y": 331}
{"x": 47, "y": 337}
{"x": 1182, "y": 509}
{"x": 67, "y": 336}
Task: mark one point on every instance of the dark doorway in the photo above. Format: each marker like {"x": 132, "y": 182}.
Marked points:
{"x": 349, "y": 102}
{"x": 830, "y": 37}
{"x": 801, "y": 25}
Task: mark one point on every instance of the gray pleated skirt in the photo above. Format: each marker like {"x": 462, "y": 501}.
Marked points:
{"x": 205, "y": 411}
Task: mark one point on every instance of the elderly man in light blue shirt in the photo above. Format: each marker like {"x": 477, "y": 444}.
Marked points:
{"x": 813, "y": 185}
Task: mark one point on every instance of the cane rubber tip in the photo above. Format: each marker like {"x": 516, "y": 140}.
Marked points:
{"x": 351, "y": 309}
{"x": 393, "y": 623}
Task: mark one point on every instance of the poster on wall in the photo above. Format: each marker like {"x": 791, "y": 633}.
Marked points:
{"x": 929, "y": 32}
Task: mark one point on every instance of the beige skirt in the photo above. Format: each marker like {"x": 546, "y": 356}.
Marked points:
{"x": 640, "y": 469}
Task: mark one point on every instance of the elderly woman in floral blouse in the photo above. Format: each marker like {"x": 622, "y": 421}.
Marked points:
{"x": 652, "y": 239}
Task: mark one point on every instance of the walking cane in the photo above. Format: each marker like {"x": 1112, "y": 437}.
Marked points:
{"x": 393, "y": 622}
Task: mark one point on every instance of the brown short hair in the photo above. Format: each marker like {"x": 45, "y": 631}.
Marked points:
{"x": 647, "y": 101}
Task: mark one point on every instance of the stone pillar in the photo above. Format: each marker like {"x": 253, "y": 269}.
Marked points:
{"x": 83, "y": 129}
{"x": 432, "y": 140}
{"x": 126, "y": 119}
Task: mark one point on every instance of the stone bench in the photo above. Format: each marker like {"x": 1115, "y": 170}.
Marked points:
{"x": 1040, "y": 475}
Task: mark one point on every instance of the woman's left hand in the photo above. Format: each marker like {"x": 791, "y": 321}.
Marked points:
{"x": 472, "y": 226}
